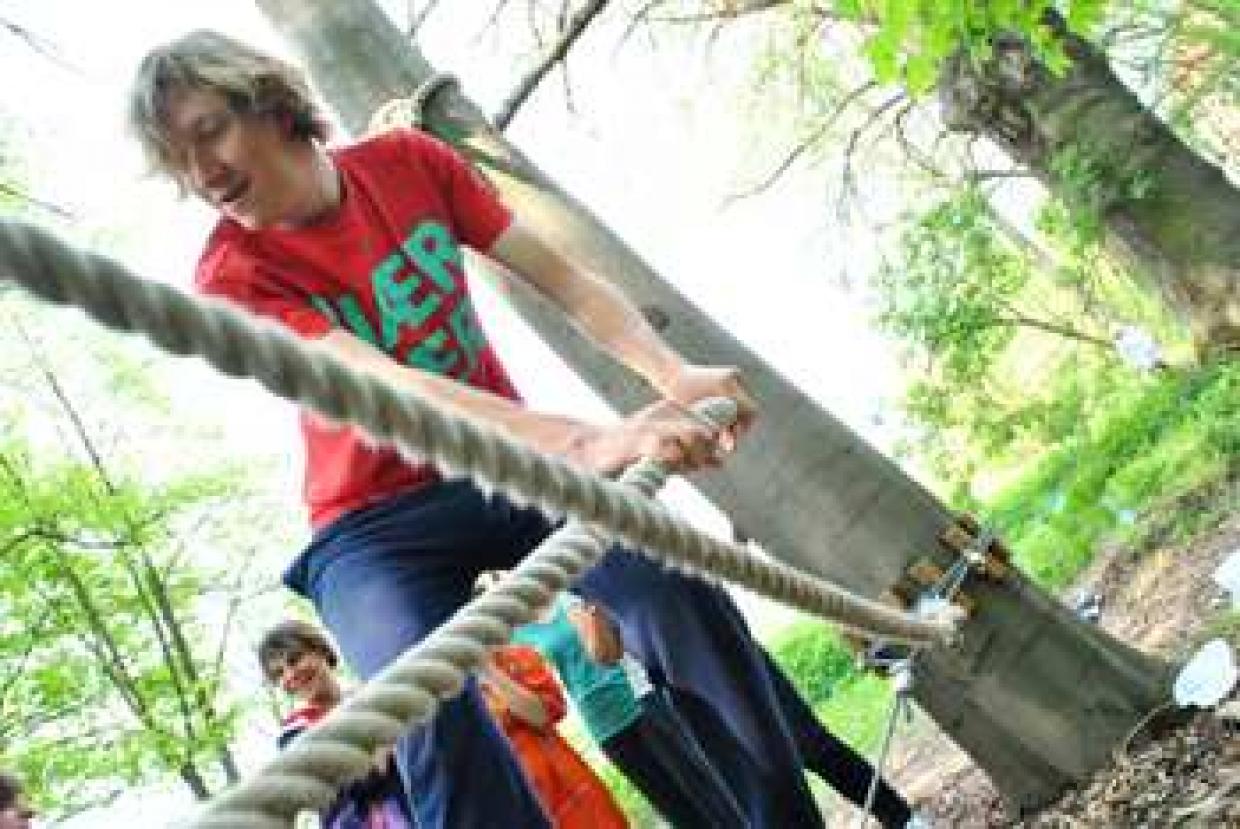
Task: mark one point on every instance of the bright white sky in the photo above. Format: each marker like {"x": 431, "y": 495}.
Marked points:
{"x": 654, "y": 146}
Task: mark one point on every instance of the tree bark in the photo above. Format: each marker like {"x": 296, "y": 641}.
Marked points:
{"x": 1179, "y": 229}
{"x": 1037, "y": 698}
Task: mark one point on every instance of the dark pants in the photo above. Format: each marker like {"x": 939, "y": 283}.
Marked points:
{"x": 659, "y": 756}
{"x": 834, "y": 761}
{"x": 693, "y": 640}
{"x": 384, "y": 577}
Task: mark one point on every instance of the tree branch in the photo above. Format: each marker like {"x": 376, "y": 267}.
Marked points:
{"x": 47, "y": 206}
{"x": 418, "y": 16}
{"x": 797, "y": 151}
{"x": 1064, "y": 331}
{"x": 848, "y": 184}
{"x": 40, "y": 45}
{"x": 555, "y": 53}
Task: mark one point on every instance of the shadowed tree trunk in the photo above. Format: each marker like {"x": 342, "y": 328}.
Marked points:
{"x": 1035, "y": 697}
{"x": 1169, "y": 213}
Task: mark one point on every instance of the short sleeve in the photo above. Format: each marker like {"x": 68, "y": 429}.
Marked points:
{"x": 480, "y": 216}
{"x": 227, "y": 274}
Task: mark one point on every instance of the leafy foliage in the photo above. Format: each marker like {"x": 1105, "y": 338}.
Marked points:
{"x": 103, "y": 680}
{"x": 1145, "y": 446}
{"x": 852, "y": 704}
{"x": 951, "y": 290}
{"x": 815, "y": 658}
{"x": 913, "y": 38}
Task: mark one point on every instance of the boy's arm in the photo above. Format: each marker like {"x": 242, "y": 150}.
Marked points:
{"x": 660, "y": 431}
{"x": 598, "y": 633}
{"x": 608, "y": 318}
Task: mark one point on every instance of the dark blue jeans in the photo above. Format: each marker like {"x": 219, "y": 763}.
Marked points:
{"x": 384, "y": 577}
{"x": 663, "y": 760}
{"x": 694, "y": 642}
{"x": 833, "y": 760}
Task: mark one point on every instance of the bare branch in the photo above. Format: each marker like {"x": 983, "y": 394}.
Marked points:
{"x": 847, "y": 179}
{"x": 555, "y": 53}
{"x": 47, "y": 206}
{"x": 723, "y": 13}
{"x": 418, "y": 16}
{"x": 40, "y": 45}
{"x": 800, "y": 148}
{"x": 1055, "y": 329}
{"x": 75, "y": 417}
{"x": 492, "y": 19}
{"x": 989, "y": 175}
{"x": 911, "y": 150}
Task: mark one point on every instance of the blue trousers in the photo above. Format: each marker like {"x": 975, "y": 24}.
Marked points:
{"x": 662, "y": 759}
{"x": 833, "y": 760}
{"x": 384, "y": 577}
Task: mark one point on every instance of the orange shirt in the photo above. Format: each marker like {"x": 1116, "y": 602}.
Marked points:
{"x": 568, "y": 789}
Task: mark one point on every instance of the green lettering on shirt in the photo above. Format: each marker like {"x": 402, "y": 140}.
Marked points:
{"x": 468, "y": 332}
{"x": 432, "y": 248}
{"x": 430, "y": 354}
{"x": 354, "y": 318}
{"x": 393, "y": 299}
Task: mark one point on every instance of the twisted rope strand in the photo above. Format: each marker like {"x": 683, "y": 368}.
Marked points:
{"x": 308, "y": 773}
{"x": 239, "y": 346}
{"x": 409, "y": 690}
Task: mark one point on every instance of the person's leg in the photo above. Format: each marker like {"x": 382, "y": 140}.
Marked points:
{"x": 694, "y": 640}
{"x": 658, "y": 755}
{"x": 834, "y": 761}
{"x": 382, "y": 579}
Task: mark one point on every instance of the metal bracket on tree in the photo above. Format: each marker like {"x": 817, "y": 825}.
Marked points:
{"x": 977, "y": 551}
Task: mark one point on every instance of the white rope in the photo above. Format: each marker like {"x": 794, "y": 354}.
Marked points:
{"x": 408, "y": 691}
{"x": 411, "y": 111}
{"x": 309, "y": 772}
{"x": 240, "y": 346}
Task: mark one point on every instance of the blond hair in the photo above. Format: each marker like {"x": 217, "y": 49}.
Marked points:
{"x": 253, "y": 83}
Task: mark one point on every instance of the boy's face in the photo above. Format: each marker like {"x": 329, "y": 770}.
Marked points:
{"x": 245, "y": 166}
{"x": 302, "y": 674}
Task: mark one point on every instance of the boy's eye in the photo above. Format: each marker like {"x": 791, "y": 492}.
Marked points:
{"x": 210, "y": 127}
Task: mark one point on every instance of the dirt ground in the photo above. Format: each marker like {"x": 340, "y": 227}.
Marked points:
{"x": 1187, "y": 776}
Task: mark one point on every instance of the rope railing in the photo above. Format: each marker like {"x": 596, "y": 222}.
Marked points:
{"x": 241, "y": 346}
{"x": 307, "y": 774}
{"x": 238, "y": 345}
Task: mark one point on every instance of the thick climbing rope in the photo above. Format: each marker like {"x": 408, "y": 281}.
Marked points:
{"x": 407, "y": 692}
{"x": 239, "y": 346}
{"x": 309, "y": 772}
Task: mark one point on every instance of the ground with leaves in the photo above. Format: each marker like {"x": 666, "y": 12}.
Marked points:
{"x": 1187, "y": 775}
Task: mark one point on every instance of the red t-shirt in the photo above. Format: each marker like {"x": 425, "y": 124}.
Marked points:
{"x": 386, "y": 267}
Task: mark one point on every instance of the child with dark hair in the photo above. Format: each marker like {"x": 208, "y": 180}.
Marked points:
{"x": 299, "y": 659}
{"x": 15, "y": 813}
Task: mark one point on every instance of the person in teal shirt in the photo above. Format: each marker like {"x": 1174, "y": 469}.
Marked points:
{"x": 631, "y": 722}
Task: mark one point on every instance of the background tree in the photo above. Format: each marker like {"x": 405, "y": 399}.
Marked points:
{"x": 1040, "y": 86}
{"x": 116, "y": 627}
{"x": 1005, "y": 295}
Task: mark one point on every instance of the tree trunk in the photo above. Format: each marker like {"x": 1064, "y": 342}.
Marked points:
{"x": 1037, "y": 698}
{"x": 1166, "y": 211}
